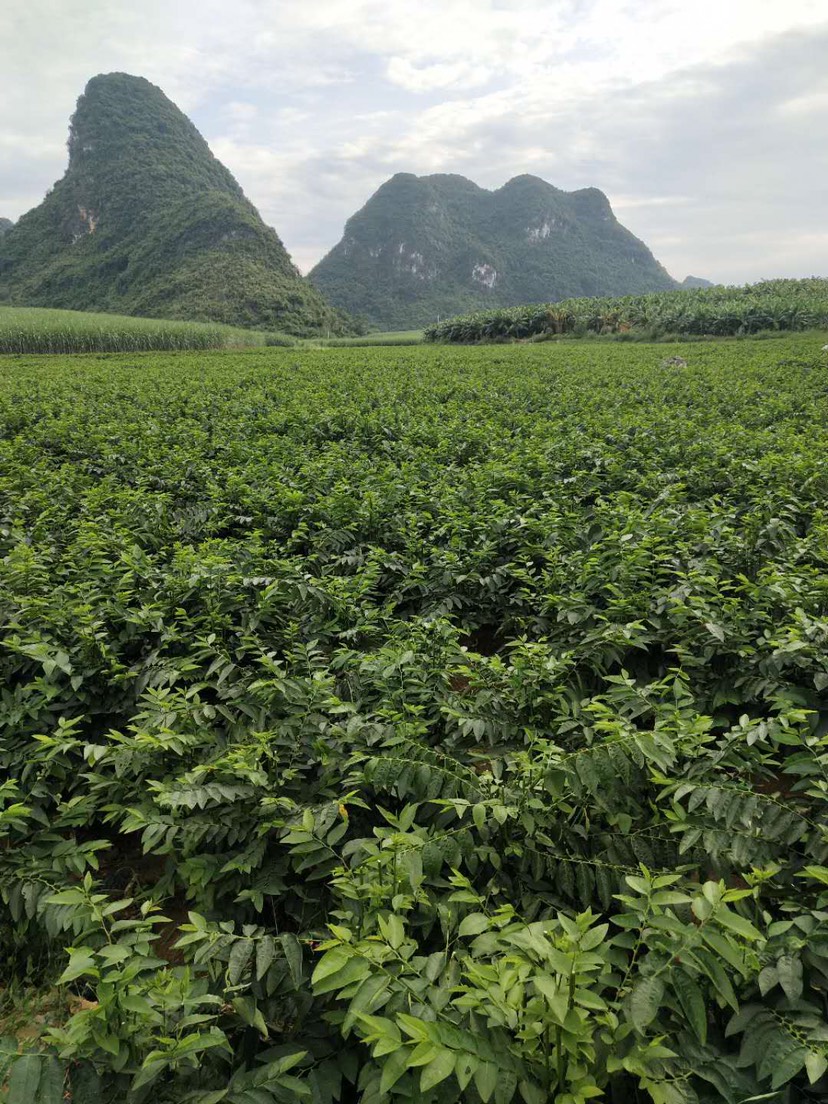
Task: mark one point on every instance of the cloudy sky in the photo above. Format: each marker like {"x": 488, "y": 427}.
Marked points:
{"x": 704, "y": 121}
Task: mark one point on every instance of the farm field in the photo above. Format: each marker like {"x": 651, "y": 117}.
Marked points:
{"x": 41, "y": 330}
{"x": 379, "y": 337}
{"x": 768, "y": 307}
{"x": 417, "y": 724}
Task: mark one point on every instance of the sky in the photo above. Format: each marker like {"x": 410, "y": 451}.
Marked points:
{"x": 704, "y": 121}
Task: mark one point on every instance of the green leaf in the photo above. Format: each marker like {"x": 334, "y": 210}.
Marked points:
{"x": 485, "y": 1080}
{"x": 768, "y": 979}
{"x": 366, "y": 998}
{"x": 151, "y": 1069}
{"x": 265, "y": 953}
{"x": 667, "y": 922}
{"x": 240, "y": 955}
{"x": 555, "y": 998}
{"x": 594, "y": 937}
{"x": 85, "y": 1084}
{"x": 52, "y": 1079}
{"x": 290, "y": 1061}
{"x": 692, "y": 1003}
{"x": 423, "y": 1053}
{"x": 24, "y": 1079}
{"x": 702, "y": 909}
{"x": 414, "y": 1027}
{"x": 816, "y": 1065}
{"x": 464, "y": 1069}
{"x": 585, "y": 998}
{"x": 393, "y": 930}
{"x": 250, "y": 1012}
{"x": 789, "y": 970}
{"x": 473, "y": 924}
{"x": 383, "y": 1032}
{"x": 725, "y": 947}
{"x": 640, "y": 885}
{"x": 81, "y": 961}
{"x": 393, "y": 1069}
{"x": 330, "y": 963}
{"x": 713, "y": 969}
{"x": 743, "y": 1017}
{"x": 738, "y": 924}
{"x": 293, "y": 953}
{"x": 533, "y": 1094}
{"x": 437, "y": 1070}
{"x": 355, "y": 969}
{"x": 507, "y": 1084}
{"x": 788, "y": 1067}
{"x": 669, "y": 897}
{"x": 645, "y": 1001}
{"x": 818, "y": 873}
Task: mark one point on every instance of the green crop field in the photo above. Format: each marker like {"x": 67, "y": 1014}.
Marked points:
{"x": 38, "y": 330}
{"x": 431, "y": 725}
{"x": 380, "y": 337}
{"x": 772, "y": 306}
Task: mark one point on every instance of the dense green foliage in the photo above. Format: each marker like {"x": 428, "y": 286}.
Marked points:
{"x": 146, "y": 221}
{"x": 38, "y": 330}
{"x": 5, "y": 226}
{"x": 436, "y": 725}
{"x": 389, "y": 337}
{"x": 715, "y": 311}
{"x": 426, "y": 247}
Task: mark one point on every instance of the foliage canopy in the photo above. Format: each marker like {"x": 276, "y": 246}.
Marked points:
{"x": 715, "y": 311}
{"x": 418, "y": 724}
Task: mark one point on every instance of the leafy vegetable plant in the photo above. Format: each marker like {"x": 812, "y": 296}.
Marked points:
{"x": 419, "y": 724}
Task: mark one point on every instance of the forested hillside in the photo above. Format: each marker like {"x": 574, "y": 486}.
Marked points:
{"x": 428, "y": 247}
{"x": 146, "y": 221}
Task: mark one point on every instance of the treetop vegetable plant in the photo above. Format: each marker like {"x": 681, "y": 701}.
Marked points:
{"x": 417, "y": 724}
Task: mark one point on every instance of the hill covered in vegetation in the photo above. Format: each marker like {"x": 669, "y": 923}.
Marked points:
{"x": 5, "y": 226}
{"x": 714, "y": 311}
{"x": 432, "y": 246}
{"x": 146, "y": 221}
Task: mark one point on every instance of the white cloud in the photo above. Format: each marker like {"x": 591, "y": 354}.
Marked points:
{"x": 626, "y": 203}
{"x": 427, "y": 78}
{"x": 805, "y": 105}
{"x": 699, "y": 120}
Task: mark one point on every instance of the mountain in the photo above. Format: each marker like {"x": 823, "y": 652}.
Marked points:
{"x": 5, "y": 226}
{"x": 146, "y": 221}
{"x": 696, "y": 282}
{"x": 434, "y": 246}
